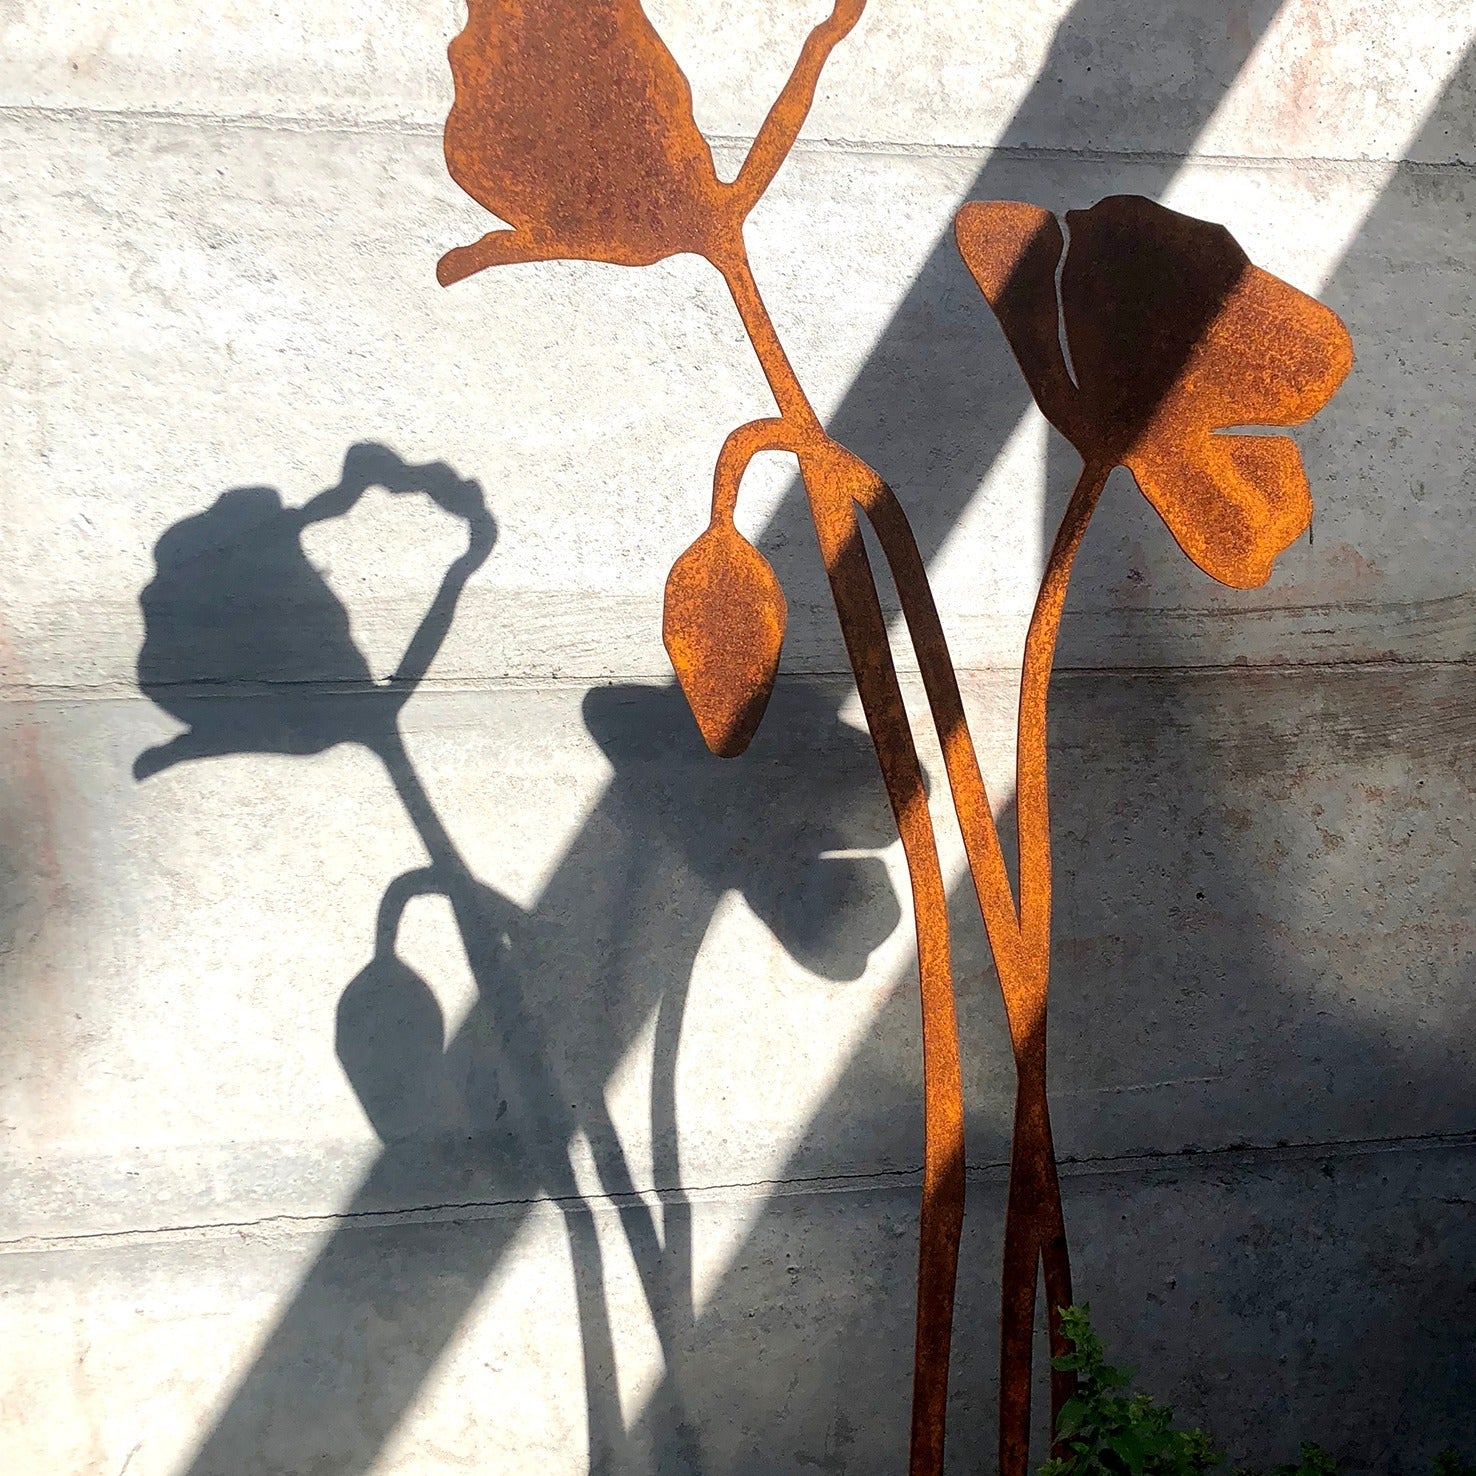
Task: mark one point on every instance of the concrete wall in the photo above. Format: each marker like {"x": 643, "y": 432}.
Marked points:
{"x": 602, "y": 1154}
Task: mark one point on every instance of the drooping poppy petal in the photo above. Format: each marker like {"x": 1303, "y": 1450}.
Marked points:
{"x": 1271, "y": 355}
{"x": 1233, "y": 503}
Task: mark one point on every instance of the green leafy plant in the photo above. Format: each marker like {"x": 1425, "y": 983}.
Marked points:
{"x": 1108, "y": 1429}
{"x": 1448, "y": 1463}
{"x": 1105, "y": 1429}
{"x": 1311, "y": 1460}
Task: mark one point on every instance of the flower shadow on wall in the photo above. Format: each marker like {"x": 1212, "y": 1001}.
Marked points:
{"x": 233, "y": 593}
{"x": 574, "y": 124}
{"x": 246, "y": 643}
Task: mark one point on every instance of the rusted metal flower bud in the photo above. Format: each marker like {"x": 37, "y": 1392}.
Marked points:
{"x": 723, "y": 627}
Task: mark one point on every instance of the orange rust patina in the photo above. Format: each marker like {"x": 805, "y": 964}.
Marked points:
{"x": 1174, "y": 335}
{"x": 573, "y": 123}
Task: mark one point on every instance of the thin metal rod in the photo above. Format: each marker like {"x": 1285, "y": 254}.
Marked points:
{"x": 832, "y": 485}
{"x": 941, "y": 1220}
{"x": 789, "y": 395}
{"x": 1034, "y": 1218}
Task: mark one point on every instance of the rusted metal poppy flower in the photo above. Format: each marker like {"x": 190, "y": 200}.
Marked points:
{"x": 573, "y": 123}
{"x": 1174, "y": 336}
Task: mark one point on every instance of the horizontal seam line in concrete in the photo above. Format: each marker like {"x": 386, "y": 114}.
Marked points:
{"x": 1242, "y": 1157}
{"x": 243, "y": 687}
{"x": 417, "y": 127}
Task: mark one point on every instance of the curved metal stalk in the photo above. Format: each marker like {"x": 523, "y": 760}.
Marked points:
{"x": 1035, "y": 1227}
{"x": 834, "y": 480}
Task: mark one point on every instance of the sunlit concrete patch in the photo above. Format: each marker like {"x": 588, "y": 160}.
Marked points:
{"x": 1007, "y": 516}
{"x": 730, "y": 1027}
{"x": 591, "y": 515}
{"x": 1354, "y": 81}
{"x": 593, "y": 1229}
{"x": 1297, "y": 78}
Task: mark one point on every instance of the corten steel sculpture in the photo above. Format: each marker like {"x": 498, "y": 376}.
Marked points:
{"x": 1174, "y": 336}
{"x": 573, "y": 123}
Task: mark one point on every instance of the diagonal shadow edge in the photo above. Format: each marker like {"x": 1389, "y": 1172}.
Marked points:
{"x": 1336, "y": 286}
{"x": 941, "y": 260}
{"x": 848, "y": 425}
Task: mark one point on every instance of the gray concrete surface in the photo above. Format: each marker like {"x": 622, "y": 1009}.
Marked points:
{"x": 604, "y": 1155}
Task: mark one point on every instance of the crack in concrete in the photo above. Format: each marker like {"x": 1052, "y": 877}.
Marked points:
{"x": 236, "y": 689}
{"x": 1242, "y": 1156}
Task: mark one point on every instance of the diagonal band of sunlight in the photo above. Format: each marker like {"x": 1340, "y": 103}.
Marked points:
{"x": 1191, "y": 190}
{"x": 850, "y": 424}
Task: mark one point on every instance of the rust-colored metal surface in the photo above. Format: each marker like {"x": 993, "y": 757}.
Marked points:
{"x": 1174, "y": 336}
{"x": 573, "y": 123}
{"x": 723, "y": 621}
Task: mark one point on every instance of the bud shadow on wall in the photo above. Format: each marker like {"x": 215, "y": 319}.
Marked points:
{"x": 913, "y": 414}
{"x": 1309, "y": 1270}
{"x": 247, "y": 645}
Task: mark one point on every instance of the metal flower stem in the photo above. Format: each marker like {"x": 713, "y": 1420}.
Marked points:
{"x": 1035, "y": 1228}
{"x": 829, "y": 475}
{"x": 1034, "y": 1222}
{"x": 1019, "y": 939}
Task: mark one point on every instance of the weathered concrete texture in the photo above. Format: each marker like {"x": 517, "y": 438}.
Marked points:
{"x": 1270, "y": 1298}
{"x": 189, "y": 273}
{"x": 312, "y": 1162}
{"x": 1303, "y": 78}
{"x": 1261, "y": 937}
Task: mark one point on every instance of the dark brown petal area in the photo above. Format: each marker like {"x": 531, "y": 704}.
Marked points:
{"x": 1140, "y": 287}
{"x": 1012, "y": 251}
{"x": 1175, "y": 337}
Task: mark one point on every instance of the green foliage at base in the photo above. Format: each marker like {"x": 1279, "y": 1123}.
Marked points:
{"x": 1106, "y": 1429}
{"x": 1311, "y": 1460}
